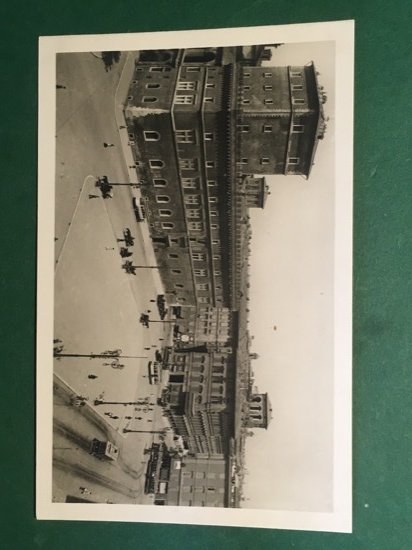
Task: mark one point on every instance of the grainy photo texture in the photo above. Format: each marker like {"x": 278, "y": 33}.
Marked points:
{"x": 192, "y": 336}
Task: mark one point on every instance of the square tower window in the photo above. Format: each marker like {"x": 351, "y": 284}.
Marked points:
{"x": 192, "y": 199}
{"x": 188, "y": 164}
{"x": 190, "y": 183}
{"x": 182, "y": 86}
{"x": 185, "y": 136}
{"x": 194, "y": 213}
{"x": 184, "y": 99}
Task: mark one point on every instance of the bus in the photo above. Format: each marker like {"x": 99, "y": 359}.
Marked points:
{"x": 155, "y": 372}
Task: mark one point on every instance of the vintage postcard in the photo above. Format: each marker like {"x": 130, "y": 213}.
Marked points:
{"x": 194, "y": 277}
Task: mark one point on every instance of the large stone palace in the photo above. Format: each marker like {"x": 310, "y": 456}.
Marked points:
{"x": 206, "y": 125}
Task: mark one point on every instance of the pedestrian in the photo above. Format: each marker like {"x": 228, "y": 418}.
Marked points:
{"x": 149, "y": 311}
{"x": 92, "y": 376}
{"x": 122, "y": 127}
{"x": 132, "y": 166}
{"x": 105, "y": 145}
{"x": 60, "y": 87}
{"x": 128, "y": 417}
{"x": 109, "y": 248}
{"x": 148, "y": 420}
{"x": 138, "y": 418}
{"x": 161, "y": 339}
{"x": 115, "y": 417}
{"x": 154, "y": 301}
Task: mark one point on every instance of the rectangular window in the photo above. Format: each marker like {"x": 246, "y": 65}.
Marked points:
{"x": 264, "y": 160}
{"x": 214, "y": 226}
{"x": 192, "y": 69}
{"x": 203, "y": 300}
{"x": 211, "y": 183}
{"x": 243, "y": 161}
{"x": 213, "y": 213}
{"x": 209, "y": 136}
{"x": 150, "y": 135}
{"x": 190, "y": 183}
{"x": 268, "y": 101}
{"x": 213, "y": 200}
{"x": 268, "y": 87}
{"x": 267, "y": 75}
{"x": 210, "y": 85}
{"x": 152, "y": 85}
{"x": 202, "y": 286}
{"x": 266, "y": 128}
{"x": 297, "y": 87}
{"x": 293, "y": 160}
{"x": 185, "y": 136}
{"x": 295, "y": 73}
{"x": 156, "y": 69}
{"x": 155, "y": 163}
{"x": 195, "y": 226}
{"x": 243, "y": 128}
{"x": 194, "y": 213}
{"x": 200, "y": 272}
{"x": 158, "y": 182}
{"x": 188, "y": 164}
{"x": 298, "y": 101}
{"x": 183, "y": 86}
{"x": 199, "y": 256}
{"x": 192, "y": 199}
{"x": 246, "y": 87}
{"x": 184, "y": 99}
{"x": 245, "y": 101}
{"x": 210, "y": 164}
{"x": 209, "y": 99}
{"x": 149, "y": 99}
{"x": 298, "y": 128}
{"x": 246, "y": 75}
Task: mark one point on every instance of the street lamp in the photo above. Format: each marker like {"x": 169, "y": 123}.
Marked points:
{"x": 113, "y": 354}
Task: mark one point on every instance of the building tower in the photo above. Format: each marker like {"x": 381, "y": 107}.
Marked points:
{"x": 259, "y": 411}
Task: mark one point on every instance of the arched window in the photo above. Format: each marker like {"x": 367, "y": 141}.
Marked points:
{"x": 162, "y": 198}
{"x": 149, "y": 99}
{"x": 159, "y": 182}
{"x": 156, "y": 163}
{"x": 167, "y": 225}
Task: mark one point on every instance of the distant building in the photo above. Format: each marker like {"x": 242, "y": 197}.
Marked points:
{"x": 195, "y": 482}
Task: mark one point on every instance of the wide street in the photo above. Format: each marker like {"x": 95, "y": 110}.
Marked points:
{"x": 97, "y": 304}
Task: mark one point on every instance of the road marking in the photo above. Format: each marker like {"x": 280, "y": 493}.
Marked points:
{"x": 87, "y": 178}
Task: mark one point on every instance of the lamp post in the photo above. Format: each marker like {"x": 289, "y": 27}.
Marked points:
{"x": 58, "y": 352}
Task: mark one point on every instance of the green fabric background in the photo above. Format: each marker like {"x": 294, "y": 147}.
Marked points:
{"x": 382, "y": 281}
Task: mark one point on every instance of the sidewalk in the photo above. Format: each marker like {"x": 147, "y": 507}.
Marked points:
{"x": 120, "y": 101}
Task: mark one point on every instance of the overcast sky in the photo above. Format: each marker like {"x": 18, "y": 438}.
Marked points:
{"x": 290, "y": 464}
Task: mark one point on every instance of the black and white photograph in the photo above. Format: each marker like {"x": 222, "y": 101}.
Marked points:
{"x": 194, "y": 277}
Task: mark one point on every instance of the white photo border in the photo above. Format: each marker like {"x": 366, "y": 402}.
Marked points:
{"x": 340, "y": 520}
